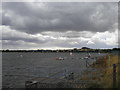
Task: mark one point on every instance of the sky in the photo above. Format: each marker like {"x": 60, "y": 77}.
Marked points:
{"x": 59, "y": 25}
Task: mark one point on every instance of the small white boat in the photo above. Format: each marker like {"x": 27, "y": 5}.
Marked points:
{"x": 59, "y": 58}
{"x": 88, "y": 57}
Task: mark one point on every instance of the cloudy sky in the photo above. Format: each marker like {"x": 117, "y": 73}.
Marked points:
{"x": 59, "y": 25}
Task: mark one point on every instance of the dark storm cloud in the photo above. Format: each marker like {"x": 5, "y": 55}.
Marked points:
{"x": 38, "y": 17}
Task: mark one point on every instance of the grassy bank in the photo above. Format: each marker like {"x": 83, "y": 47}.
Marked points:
{"x": 103, "y": 76}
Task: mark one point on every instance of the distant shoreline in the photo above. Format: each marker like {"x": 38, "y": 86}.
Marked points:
{"x": 68, "y": 50}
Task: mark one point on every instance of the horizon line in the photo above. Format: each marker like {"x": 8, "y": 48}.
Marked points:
{"x": 58, "y": 49}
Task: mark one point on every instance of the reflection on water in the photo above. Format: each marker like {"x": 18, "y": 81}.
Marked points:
{"x": 19, "y": 67}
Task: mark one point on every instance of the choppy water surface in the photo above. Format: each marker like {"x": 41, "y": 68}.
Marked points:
{"x": 17, "y": 67}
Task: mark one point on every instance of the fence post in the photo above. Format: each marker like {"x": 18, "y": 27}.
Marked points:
{"x": 86, "y": 63}
{"x": 108, "y": 60}
{"x": 114, "y": 75}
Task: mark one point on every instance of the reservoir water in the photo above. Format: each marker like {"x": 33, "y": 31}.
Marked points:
{"x": 18, "y": 67}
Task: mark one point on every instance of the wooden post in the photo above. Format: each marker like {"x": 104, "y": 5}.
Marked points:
{"x": 72, "y": 75}
{"x": 36, "y": 85}
{"x": 108, "y": 60}
{"x": 114, "y": 75}
{"x": 86, "y": 63}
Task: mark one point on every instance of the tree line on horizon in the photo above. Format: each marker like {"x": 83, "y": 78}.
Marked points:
{"x": 83, "y": 49}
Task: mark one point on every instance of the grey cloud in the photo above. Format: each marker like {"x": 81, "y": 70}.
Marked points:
{"x": 9, "y": 44}
{"x": 62, "y": 25}
{"x": 16, "y": 36}
{"x": 16, "y": 39}
{"x": 23, "y": 39}
{"x": 70, "y": 34}
{"x": 39, "y": 17}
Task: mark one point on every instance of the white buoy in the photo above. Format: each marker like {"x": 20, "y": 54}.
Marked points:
{"x": 71, "y": 53}
{"x": 21, "y": 55}
{"x": 60, "y": 58}
{"x": 99, "y": 53}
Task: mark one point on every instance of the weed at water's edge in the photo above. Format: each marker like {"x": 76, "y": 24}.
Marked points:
{"x": 106, "y": 71}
